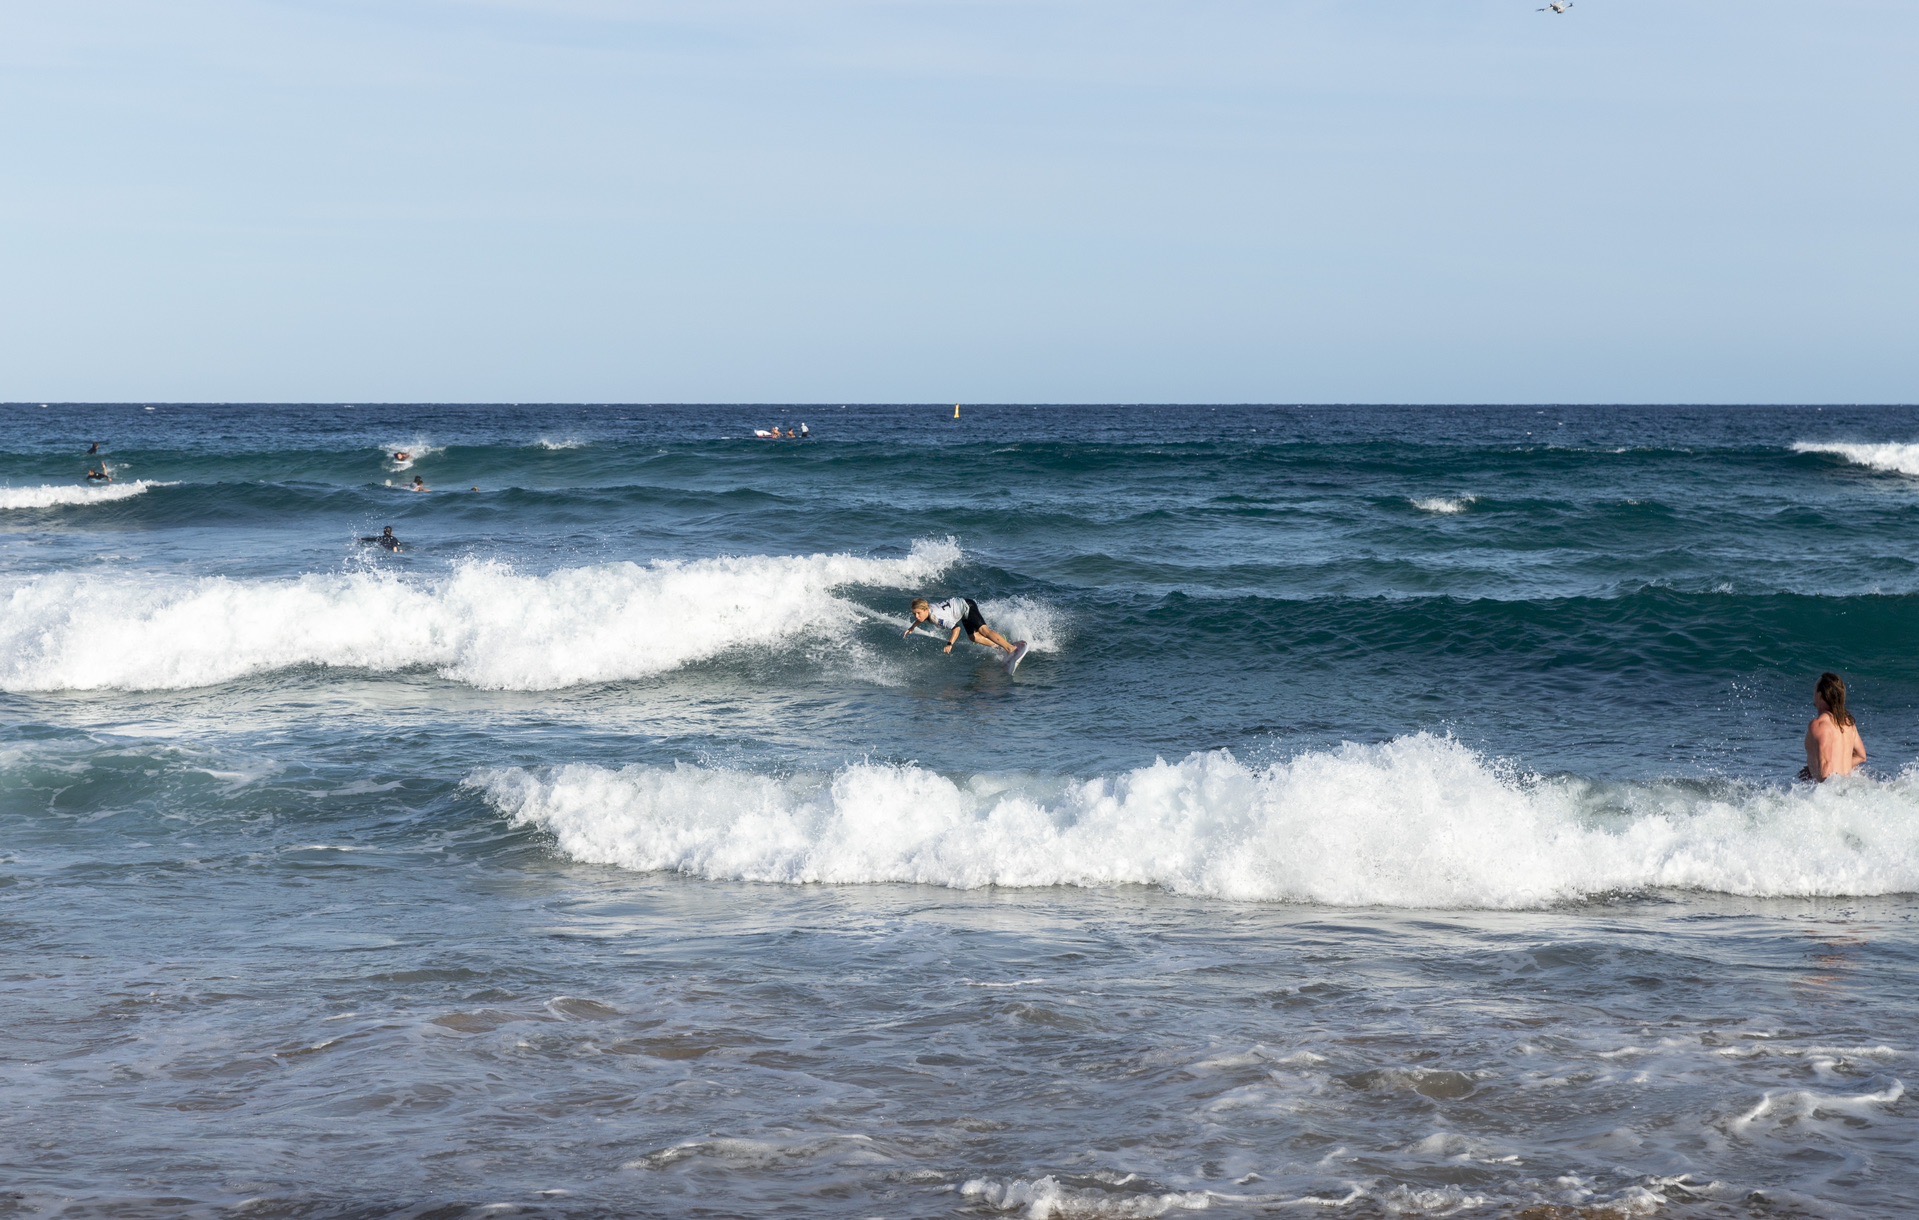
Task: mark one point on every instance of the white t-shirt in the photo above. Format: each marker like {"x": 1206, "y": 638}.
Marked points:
{"x": 948, "y": 614}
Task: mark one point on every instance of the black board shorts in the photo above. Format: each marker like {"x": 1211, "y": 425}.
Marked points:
{"x": 973, "y": 622}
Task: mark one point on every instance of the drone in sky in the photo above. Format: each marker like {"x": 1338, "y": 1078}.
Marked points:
{"x": 1557, "y": 6}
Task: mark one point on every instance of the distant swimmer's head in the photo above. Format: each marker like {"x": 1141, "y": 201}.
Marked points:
{"x": 1830, "y": 696}
{"x": 387, "y": 532}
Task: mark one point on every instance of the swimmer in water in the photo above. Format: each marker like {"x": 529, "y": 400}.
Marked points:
{"x": 93, "y": 448}
{"x": 102, "y": 475}
{"x": 386, "y": 539}
{"x": 1833, "y": 744}
{"x": 402, "y": 456}
{"x": 419, "y": 484}
{"x": 957, "y": 614}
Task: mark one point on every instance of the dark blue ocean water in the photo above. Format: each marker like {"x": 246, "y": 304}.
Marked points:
{"x": 1394, "y": 815}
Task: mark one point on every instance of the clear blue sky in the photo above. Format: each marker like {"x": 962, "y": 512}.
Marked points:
{"x": 880, "y": 200}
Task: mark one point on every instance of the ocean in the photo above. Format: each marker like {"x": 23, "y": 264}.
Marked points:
{"x": 1395, "y": 816}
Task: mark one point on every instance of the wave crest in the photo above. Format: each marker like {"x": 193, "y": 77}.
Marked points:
{"x": 1417, "y": 822}
{"x": 59, "y": 495}
{"x": 485, "y": 624}
{"x": 1445, "y": 505}
{"x": 1891, "y": 458}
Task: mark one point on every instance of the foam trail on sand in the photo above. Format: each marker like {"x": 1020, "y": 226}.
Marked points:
{"x": 1891, "y": 458}
{"x": 484, "y": 624}
{"x": 1416, "y": 822}
{"x": 61, "y": 495}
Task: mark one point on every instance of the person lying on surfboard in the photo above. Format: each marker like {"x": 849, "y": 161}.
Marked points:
{"x": 957, "y": 614}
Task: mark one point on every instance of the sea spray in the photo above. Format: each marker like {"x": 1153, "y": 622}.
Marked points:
{"x": 64, "y": 495}
{"x": 1421, "y": 821}
{"x": 1890, "y": 457}
{"x": 486, "y": 624}
{"x": 1445, "y": 506}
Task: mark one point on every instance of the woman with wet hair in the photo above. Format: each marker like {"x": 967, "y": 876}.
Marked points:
{"x": 1833, "y": 745}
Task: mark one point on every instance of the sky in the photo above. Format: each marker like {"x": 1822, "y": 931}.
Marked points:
{"x": 959, "y": 200}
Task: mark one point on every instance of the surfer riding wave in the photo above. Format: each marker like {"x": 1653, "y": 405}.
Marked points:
{"x": 961, "y": 614}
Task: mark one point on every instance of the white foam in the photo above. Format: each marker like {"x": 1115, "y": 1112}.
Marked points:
{"x": 484, "y": 624}
{"x": 1047, "y": 1198}
{"x": 414, "y": 450}
{"x": 567, "y": 443}
{"x": 56, "y": 495}
{"x": 1786, "y": 1108}
{"x": 1891, "y": 458}
{"x": 1416, "y": 822}
{"x": 1445, "y": 506}
{"x": 1026, "y": 618}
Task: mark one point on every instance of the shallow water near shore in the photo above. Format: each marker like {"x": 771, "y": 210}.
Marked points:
{"x": 1393, "y": 818}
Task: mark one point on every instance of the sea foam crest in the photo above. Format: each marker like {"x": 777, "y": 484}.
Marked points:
{"x": 59, "y": 495}
{"x": 1445, "y": 505}
{"x": 484, "y": 624}
{"x": 1892, "y": 458}
{"x": 1417, "y": 822}
{"x": 414, "y": 450}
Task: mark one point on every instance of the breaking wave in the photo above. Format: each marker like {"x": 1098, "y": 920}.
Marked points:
{"x": 1445, "y": 505}
{"x": 59, "y": 495}
{"x": 1420, "y": 821}
{"x": 414, "y": 450}
{"x": 1891, "y": 458}
{"x": 484, "y": 624}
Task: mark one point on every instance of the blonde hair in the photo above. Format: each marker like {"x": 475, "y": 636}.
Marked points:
{"x": 920, "y": 603}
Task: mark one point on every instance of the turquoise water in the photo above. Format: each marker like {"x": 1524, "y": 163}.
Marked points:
{"x": 1393, "y": 817}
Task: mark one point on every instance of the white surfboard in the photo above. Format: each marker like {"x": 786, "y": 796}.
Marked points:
{"x": 1019, "y": 654}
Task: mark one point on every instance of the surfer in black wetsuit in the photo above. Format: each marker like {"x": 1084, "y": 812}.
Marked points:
{"x": 93, "y": 448}
{"x": 386, "y": 539}
{"x": 102, "y": 475}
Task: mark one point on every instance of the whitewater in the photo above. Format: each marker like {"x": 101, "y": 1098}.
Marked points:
{"x": 483, "y": 624}
{"x": 1420, "y": 823}
{"x": 1395, "y": 817}
{"x": 56, "y": 495}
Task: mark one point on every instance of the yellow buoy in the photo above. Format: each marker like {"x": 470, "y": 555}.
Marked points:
{"x": 955, "y": 410}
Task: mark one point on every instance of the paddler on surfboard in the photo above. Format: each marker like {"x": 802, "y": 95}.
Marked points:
{"x": 957, "y": 614}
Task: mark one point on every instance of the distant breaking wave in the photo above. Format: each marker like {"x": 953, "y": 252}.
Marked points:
{"x": 485, "y": 624}
{"x": 58, "y": 495}
{"x": 1445, "y": 505}
{"x": 1892, "y": 458}
{"x": 1416, "y": 822}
